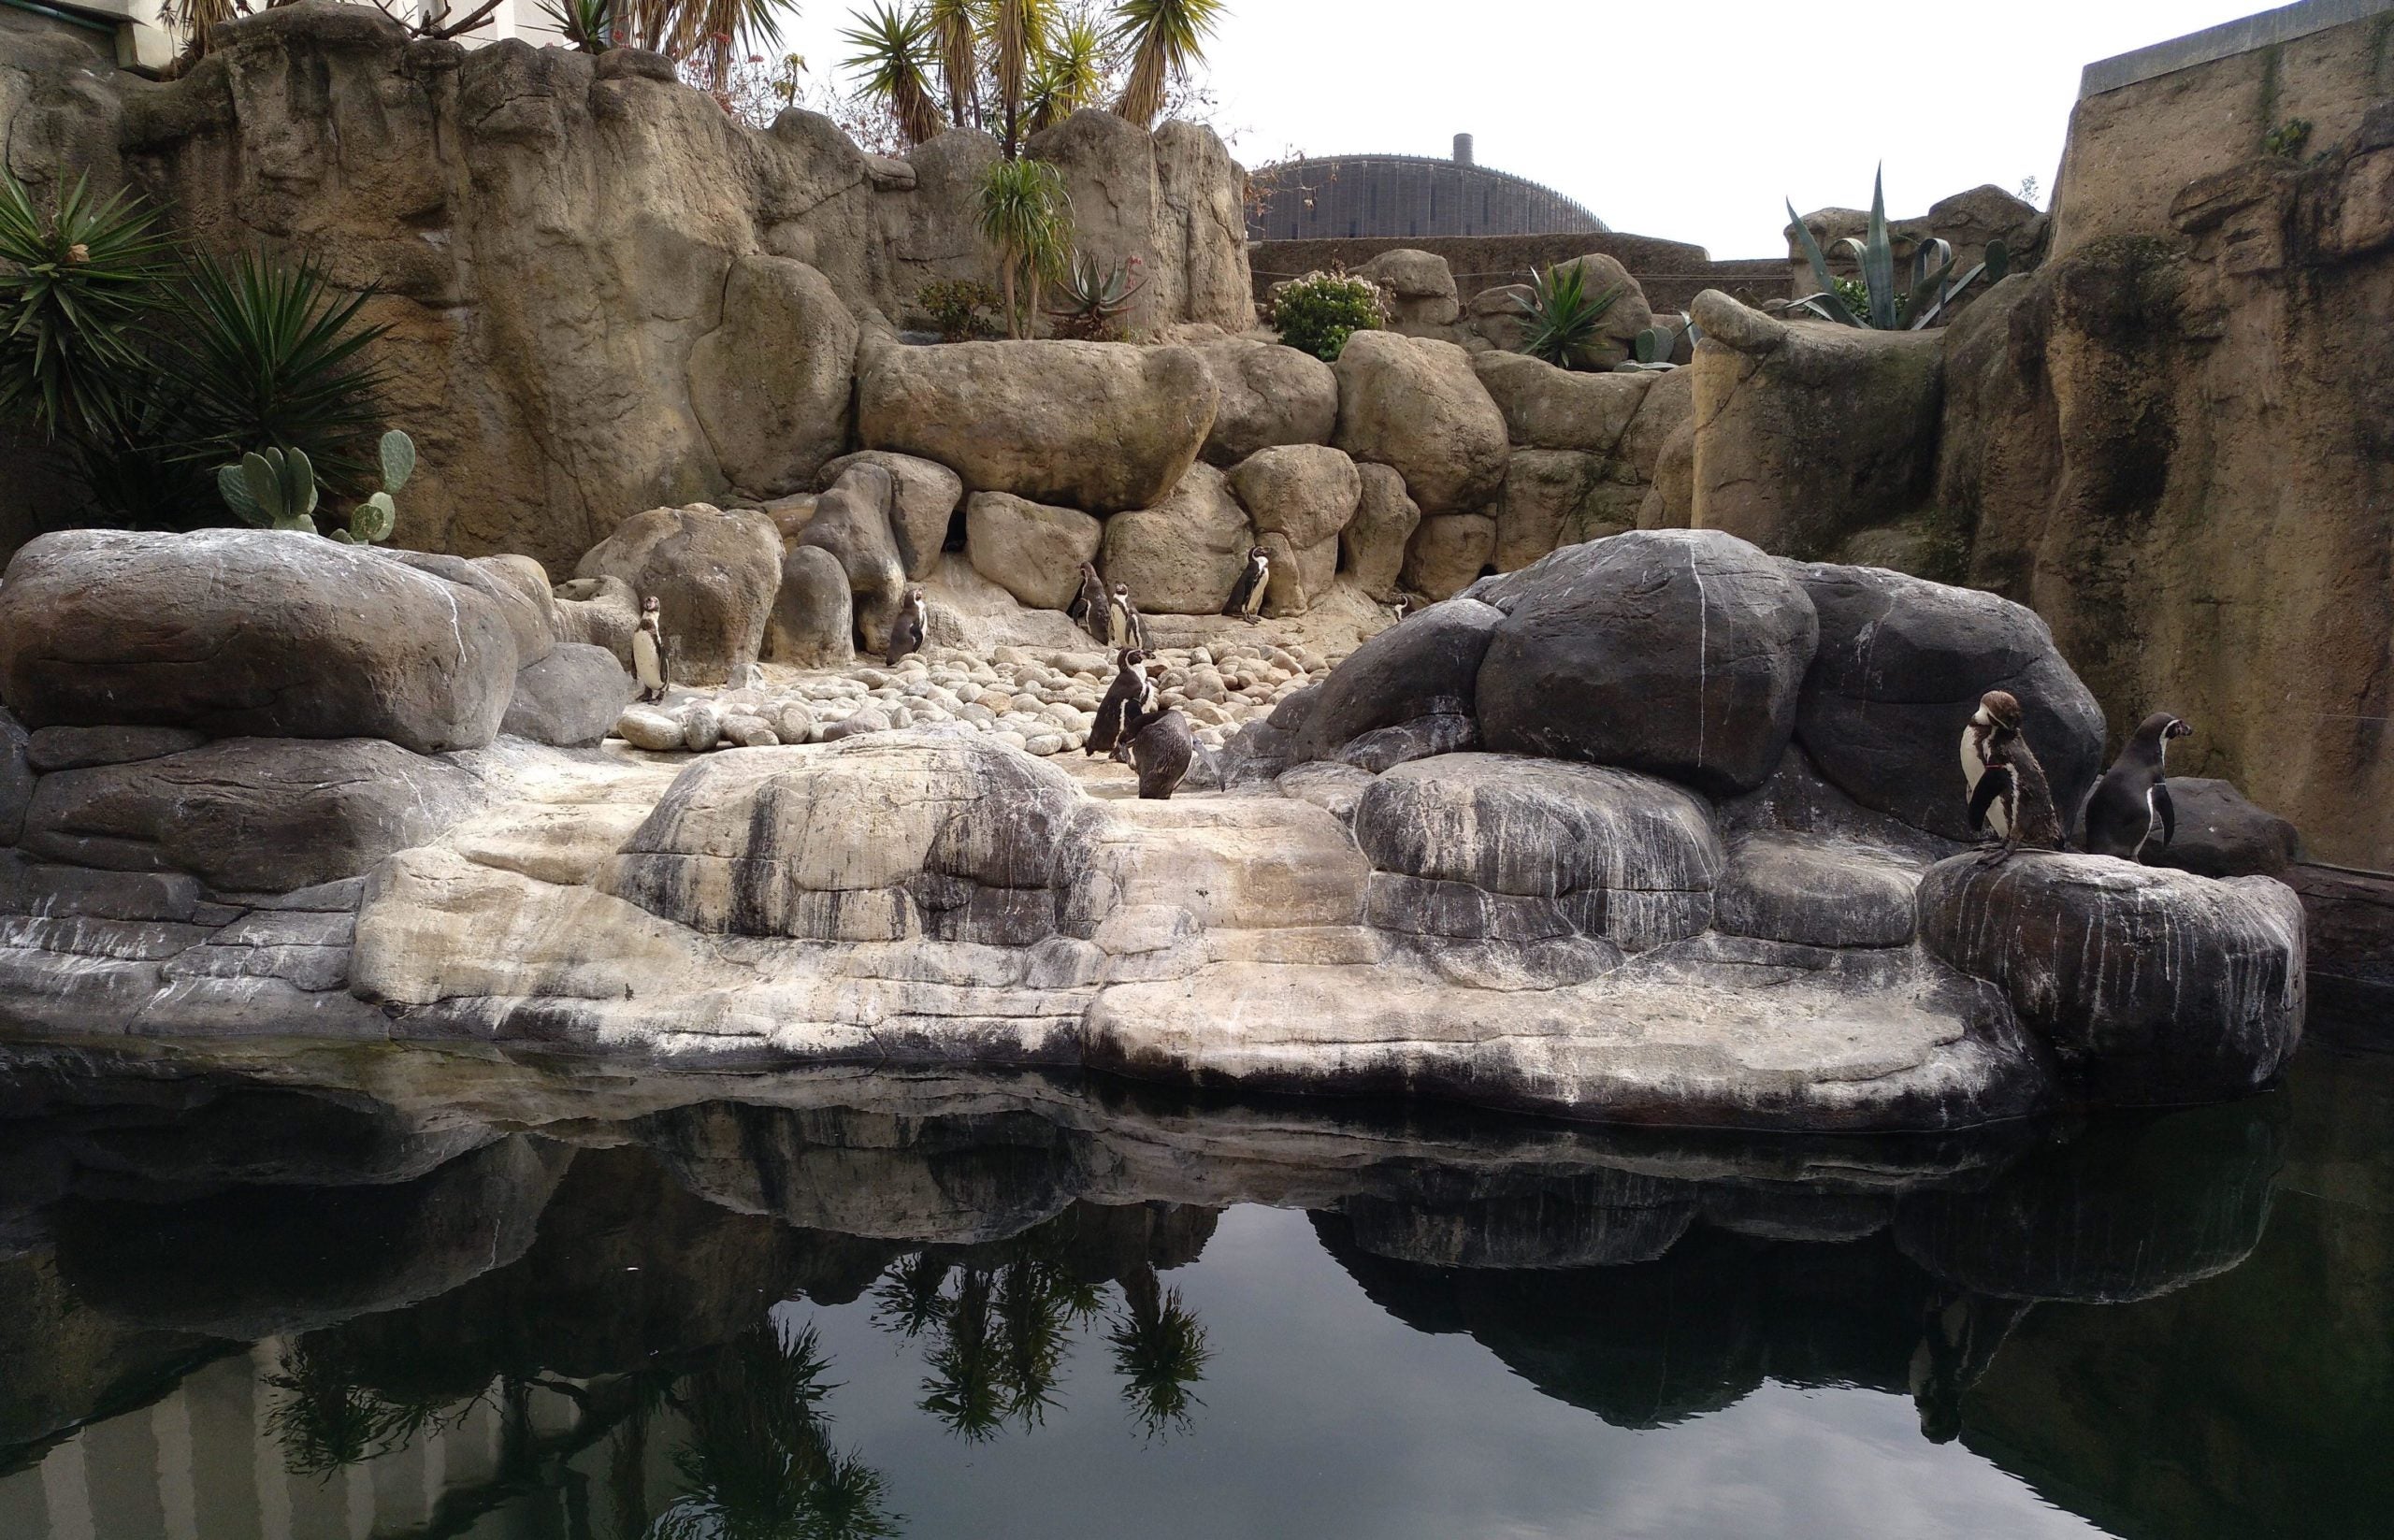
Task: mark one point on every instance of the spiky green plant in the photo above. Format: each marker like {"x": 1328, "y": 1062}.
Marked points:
{"x": 1883, "y": 304}
{"x": 896, "y": 53}
{"x": 1160, "y": 1350}
{"x": 1016, "y": 33}
{"x": 1026, "y": 217}
{"x": 1095, "y": 298}
{"x": 1071, "y": 73}
{"x": 1164, "y": 40}
{"x": 79, "y": 281}
{"x": 589, "y": 25}
{"x": 1566, "y": 321}
{"x": 956, "y": 44}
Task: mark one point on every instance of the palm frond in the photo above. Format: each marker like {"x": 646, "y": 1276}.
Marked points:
{"x": 1165, "y": 40}
{"x": 895, "y": 53}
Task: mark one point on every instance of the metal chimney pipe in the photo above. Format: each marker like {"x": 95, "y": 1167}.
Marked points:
{"x": 1463, "y": 149}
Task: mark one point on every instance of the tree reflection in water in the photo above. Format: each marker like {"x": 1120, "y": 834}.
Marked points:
{"x": 1159, "y": 1351}
{"x": 326, "y": 1420}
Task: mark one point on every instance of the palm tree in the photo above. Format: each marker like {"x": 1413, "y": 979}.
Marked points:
{"x": 957, "y": 46}
{"x": 1163, "y": 39}
{"x": 1018, "y": 32}
{"x": 894, "y": 52}
{"x": 1070, "y": 74}
{"x": 1160, "y": 1350}
{"x": 1027, "y": 215}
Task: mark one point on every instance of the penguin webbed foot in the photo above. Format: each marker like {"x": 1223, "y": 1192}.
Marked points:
{"x": 1996, "y": 856}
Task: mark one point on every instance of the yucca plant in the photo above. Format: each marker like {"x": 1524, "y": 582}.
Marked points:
{"x": 1071, "y": 73}
{"x": 1026, "y": 214}
{"x": 1880, "y": 305}
{"x": 895, "y": 52}
{"x": 1163, "y": 39}
{"x": 589, "y": 25}
{"x": 78, "y": 282}
{"x": 275, "y": 357}
{"x": 1016, "y": 33}
{"x": 957, "y": 46}
{"x": 1094, "y": 297}
{"x": 1566, "y": 321}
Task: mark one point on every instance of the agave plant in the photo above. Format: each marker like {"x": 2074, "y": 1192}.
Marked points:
{"x": 1027, "y": 216}
{"x": 1094, "y": 297}
{"x": 1881, "y": 304}
{"x": 1566, "y": 321}
{"x": 78, "y": 282}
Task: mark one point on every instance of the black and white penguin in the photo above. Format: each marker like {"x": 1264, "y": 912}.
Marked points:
{"x": 648, "y": 650}
{"x": 1161, "y": 752}
{"x": 1126, "y": 702}
{"x": 2132, "y": 799}
{"x": 2011, "y": 792}
{"x": 1123, "y": 627}
{"x": 1247, "y": 594}
{"x": 1087, "y": 606}
{"x": 907, "y": 631}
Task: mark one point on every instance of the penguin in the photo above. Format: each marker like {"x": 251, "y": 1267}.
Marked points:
{"x": 906, "y": 632}
{"x": 2011, "y": 784}
{"x": 648, "y": 650}
{"x": 1127, "y": 701}
{"x": 1975, "y": 733}
{"x": 2132, "y": 799}
{"x": 1247, "y": 594}
{"x": 1404, "y": 605}
{"x": 1123, "y": 627}
{"x": 1087, "y": 606}
{"x": 1160, "y": 752}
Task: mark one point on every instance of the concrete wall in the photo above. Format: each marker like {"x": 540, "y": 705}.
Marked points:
{"x": 2148, "y": 122}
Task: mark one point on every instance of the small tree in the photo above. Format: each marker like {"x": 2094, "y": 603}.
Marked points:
{"x": 1027, "y": 216}
{"x": 895, "y": 54}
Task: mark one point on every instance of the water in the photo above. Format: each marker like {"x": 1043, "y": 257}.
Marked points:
{"x": 403, "y": 1295}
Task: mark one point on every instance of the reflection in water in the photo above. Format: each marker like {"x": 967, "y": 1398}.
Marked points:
{"x": 613, "y": 1322}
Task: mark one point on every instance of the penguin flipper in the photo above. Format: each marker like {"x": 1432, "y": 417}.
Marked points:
{"x": 2169, "y": 814}
{"x": 1993, "y": 785}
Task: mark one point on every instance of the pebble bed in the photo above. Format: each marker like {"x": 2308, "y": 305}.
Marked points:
{"x": 1039, "y": 700}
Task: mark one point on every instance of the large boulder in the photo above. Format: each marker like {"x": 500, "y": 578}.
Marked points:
{"x": 1304, "y": 492}
{"x": 1810, "y": 890}
{"x": 1628, "y": 313}
{"x": 2221, "y": 834}
{"x": 570, "y": 697}
{"x": 1416, "y": 405}
{"x": 2153, "y": 986}
{"x": 1421, "y": 287}
{"x": 713, "y": 573}
{"x": 812, "y": 624}
{"x": 1181, "y": 556}
{"x": 1098, "y": 426}
{"x": 878, "y": 838}
{"x": 928, "y": 495}
{"x": 1427, "y": 666}
{"x": 1270, "y": 395}
{"x": 772, "y": 386}
{"x": 855, "y": 521}
{"x": 1900, "y": 667}
{"x": 1372, "y": 546}
{"x": 1449, "y": 553}
{"x": 1807, "y": 432}
{"x": 1030, "y": 550}
{"x": 1547, "y": 407}
{"x": 1547, "y": 503}
{"x": 1611, "y": 854}
{"x": 517, "y": 585}
{"x": 602, "y": 611}
{"x": 1678, "y": 653}
{"x": 250, "y": 815}
{"x": 246, "y": 631}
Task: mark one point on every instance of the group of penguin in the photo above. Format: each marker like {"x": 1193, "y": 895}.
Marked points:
{"x": 2011, "y": 803}
{"x": 906, "y": 633}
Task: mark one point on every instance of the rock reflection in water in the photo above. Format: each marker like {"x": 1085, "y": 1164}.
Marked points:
{"x": 585, "y": 1307}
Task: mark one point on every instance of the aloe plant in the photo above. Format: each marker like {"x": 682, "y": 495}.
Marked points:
{"x": 1566, "y": 321}
{"x": 1883, "y": 306}
{"x": 1094, "y": 297}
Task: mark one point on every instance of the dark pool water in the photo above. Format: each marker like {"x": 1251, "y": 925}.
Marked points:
{"x": 497, "y": 1302}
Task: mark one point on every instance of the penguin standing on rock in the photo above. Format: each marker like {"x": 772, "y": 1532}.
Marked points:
{"x": 2009, "y": 793}
{"x": 648, "y": 651}
{"x": 1247, "y": 594}
{"x": 1128, "y": 703}
{"x": 2133, "y": 800}
{"x": 1087, "y": 606}
{"x": 1160, "y": 752}
{"x": 1123, "y": 627}
{"x": 906, "y": 631}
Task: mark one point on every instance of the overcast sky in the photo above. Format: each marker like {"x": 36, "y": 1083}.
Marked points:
{"x": 1690, "y": 119}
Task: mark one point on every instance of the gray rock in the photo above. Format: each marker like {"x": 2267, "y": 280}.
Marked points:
{"x": 517, "y": 585}
{"x": 1372, "y": 547}
{"x": 570, "y": 697}
{"x": 854, "y": 521}
{"x": 701, "y": 726}
{"x": 250, "y": 813}
{"x": 1270, "y": 395}
{"x": 646, "y": 728}
{"x": 16, "y": 777}
{"x": 35, "y": 887}
{"x": 1420, "y": 906}
{"x": 1429, "y": 664}
{"x": 1327, "y": 784}
{"x": 1900, "y": 667}
{"x": 772, "y": 386}
{"x": 2153, "y": 986}
{"x": 1416, "y": 405}
{"x": 713, "y": 573}
{"x": 1814, "y": 891}
{"x": 236, "y": 632}
{"x": 601, "y": 611}
{"x": 1181, "y": 556}
{"x": 1030, "y": 550}
{"x": 928, "y": 495}
{"x": 2220, "y": 834}
{"x": 1386, "y": 748}
{"x": 1678, "y": 652}
{"x": 73, "y": 748}
{"x": 812, "y": 624}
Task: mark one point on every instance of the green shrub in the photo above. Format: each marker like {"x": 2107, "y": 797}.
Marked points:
{"x": 958, "y": 308}
{"x": 2288, "y": 138}
{"x": 79, "y": 282}
{"x": 1319, "y": 313}
{"x": 1566, "y": 321}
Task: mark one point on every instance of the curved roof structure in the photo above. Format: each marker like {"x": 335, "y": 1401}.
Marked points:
{"x": 1337, "y": 197}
